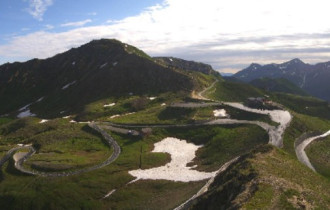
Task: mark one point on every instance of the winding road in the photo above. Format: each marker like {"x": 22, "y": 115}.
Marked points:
{"x": 19, "y": 162}
{"x": 275, "y": 136}
{"x": 300, "y": 149}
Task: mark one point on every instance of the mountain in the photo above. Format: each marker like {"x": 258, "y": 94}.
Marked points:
{"x": 278, "y": 85}
{"x": 314, "y": 79}
{"x": 226, "y": 74}
{"x": 186, "y": 65}
{"x": 99, "y": 69}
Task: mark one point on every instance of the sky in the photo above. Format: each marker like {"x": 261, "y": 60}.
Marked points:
{"x": 229, "y": 35}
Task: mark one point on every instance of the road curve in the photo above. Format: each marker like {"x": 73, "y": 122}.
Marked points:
{"x": 300, "y": 149}
{"x": 111, "y": 142}
{"x": 11, "y": 152}
{"x": 200, "y": 96}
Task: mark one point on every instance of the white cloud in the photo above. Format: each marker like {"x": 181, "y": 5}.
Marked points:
{"x": 37, "y": 8}
{"x": 226, "y": 34}
{"x": 76, "y": 24}
{"x": 49, "y": 27}
{"x": 92, "y": 13}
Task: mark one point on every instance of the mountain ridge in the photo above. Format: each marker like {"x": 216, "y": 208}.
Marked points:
{"x": 100, "y": 68}
{"x": 179, "y": 63}
{"x": 314, "y": 79}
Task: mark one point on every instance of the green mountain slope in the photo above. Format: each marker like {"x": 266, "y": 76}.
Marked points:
{"x": 267, "y": 178}
{"x": 96, "y": 70}
{"x": 278, "y": 85}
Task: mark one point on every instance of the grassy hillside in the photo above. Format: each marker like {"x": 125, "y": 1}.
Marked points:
{"x": 319, "y": 154}
{"x": 278, "y": 85}
{"x": 63, "y": 142}
{"x": 233, "y": 91}
{"x": 268, "y": 178}
{"x": 304, "y": 105}
{"x": 98, "y": 70}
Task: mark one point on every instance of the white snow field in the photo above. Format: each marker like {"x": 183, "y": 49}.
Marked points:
{"x": 177, "y": 170}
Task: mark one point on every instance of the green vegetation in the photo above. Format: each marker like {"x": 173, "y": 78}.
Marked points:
{"x": 233, "y": 91}
{"x": 319, "y": 154}
{"x": 299, "y": 125}
{"x": 262, "y": 197}
{"x": 267, "y": 178}
{"x": 278, "y": 85}
{"x": 4, "y": 120}
{"x": 67, "y": 146}
{"x": 304, "y": 105}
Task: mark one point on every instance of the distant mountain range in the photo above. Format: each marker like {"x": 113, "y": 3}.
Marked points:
{"x": 226, "y": 74}
{"x": 99, "y": 69}
{"x": 314, "y": 79}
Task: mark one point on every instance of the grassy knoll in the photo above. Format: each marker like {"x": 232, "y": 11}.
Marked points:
{"x": 124, "y": 105}
{"x": 233, "y": 91}
{"x": 268, "y": 178}
{"x": 319, "y": 155}
{"x": 61, "y": 145}
{"x": 304, "y": 105}
{"x": 166, "y": 115}
{"x": 301, "y": 124}
{"x": 175, "y": 115}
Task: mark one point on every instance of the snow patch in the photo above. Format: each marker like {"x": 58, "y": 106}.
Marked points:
{"x": 279, "y": 116}
{"x": 114, "y": 116}
{"x": 109, "y": 105}
{"x": 177, "y": 170}
{"x": 84, "y": 122}
{"x": 24, "y": 107}
{"x": 152, "y": 98}
{"x": 103, "y": 65}
{"x": 40, "y": 99}
{"x": 73, "y": 121}
{"x": 73, "y": 63}
{"x": 163, "y": 104}
{"x": 68, "y": 85}
{"x": 110, "y": 193}
{"x": 114, "y": 64}
{"x": 66, "y": 117}
{"x": 43, "y": 121}
{"x": 219, "y": 113}
{"x": 171, "y": 59}
{"x": 26, "y": 113}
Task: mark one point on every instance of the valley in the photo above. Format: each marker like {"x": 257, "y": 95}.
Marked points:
{"x": 175, "y": 136}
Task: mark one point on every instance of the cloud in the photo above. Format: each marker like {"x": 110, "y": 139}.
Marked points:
{"x": 226, "y": 34}
{"x": 76, "y": 24}
{"x": 49, "y": 27}
{"x": 37, "y": 8}
{"x": 92, "y": 13}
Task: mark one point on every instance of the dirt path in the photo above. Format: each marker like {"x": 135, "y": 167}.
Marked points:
{"x": 200, "y": 94}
